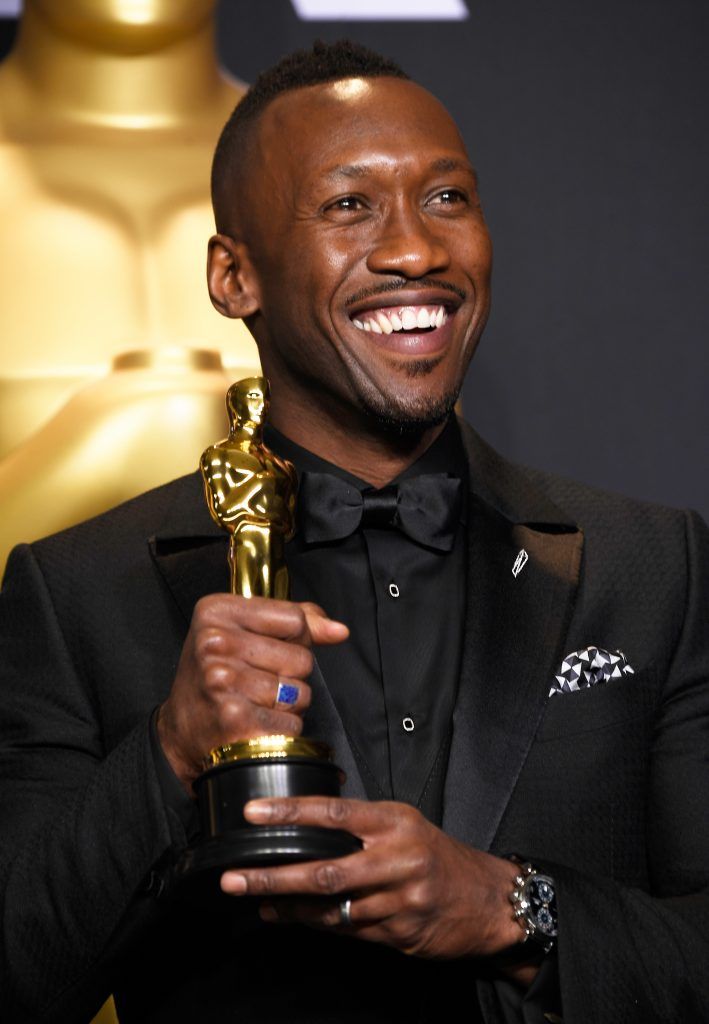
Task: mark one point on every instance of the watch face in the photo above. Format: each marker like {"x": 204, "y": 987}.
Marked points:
{"x": 539, "y": 894}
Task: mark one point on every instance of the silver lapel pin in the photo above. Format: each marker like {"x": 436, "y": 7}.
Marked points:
{"x": 520, "y": 562}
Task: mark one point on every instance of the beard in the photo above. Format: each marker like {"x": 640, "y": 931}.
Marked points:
{"x": 410, "y": 418}
{"x": 412, "y": 423}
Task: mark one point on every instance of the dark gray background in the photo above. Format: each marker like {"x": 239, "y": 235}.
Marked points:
{"x": 588, "y": 124}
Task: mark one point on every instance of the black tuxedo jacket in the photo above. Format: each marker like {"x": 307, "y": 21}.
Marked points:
{"x": 606, "y": 787}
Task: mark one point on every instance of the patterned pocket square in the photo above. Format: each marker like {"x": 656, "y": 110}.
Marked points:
{"x": 588, "y": 667}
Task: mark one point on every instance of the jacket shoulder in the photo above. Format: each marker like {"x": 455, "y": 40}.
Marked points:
{"x": 591, "y": 505}
{"x": 113, "y": 535}
{"x": 525, "y": 489}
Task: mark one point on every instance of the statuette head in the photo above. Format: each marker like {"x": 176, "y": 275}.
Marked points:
{"x": 247, "y": 401}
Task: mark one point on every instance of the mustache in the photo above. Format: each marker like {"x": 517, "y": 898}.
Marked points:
{"x": 403, "y": 284}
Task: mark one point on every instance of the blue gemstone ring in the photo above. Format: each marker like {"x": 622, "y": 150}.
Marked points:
{"x": 287, "y": 694}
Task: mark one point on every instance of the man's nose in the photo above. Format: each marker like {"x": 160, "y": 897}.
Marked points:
{"x": 407, "y": 245}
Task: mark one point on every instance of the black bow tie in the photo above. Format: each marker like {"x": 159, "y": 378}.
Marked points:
{"x": 426, "y": 508}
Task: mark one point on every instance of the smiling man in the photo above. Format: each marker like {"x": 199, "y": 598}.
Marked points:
{"x": 507, "y": 665}
{"x": 359, "y": 256}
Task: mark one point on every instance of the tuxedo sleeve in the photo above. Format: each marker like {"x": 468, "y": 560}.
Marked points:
{"x": 83, "y": 829}
{"x": 642, "y": 956}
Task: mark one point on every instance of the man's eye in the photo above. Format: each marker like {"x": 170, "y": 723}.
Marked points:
{"x": 448, "y": 197}
{"x": 347, "y": 203}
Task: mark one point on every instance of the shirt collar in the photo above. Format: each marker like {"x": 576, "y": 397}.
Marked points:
{"x": 445, "y": 455}
{"x": 515, "y": 492}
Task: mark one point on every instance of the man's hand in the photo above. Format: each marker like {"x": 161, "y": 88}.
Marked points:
{"x": 411, "y": 887}
{"x": 236, "y": 652}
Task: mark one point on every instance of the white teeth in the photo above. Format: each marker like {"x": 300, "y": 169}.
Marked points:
{"x": 384, "y": 323}
{"x": 409, "y": 318}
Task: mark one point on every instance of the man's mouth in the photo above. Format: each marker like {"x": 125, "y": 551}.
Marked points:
{"x": 401, "y": 319}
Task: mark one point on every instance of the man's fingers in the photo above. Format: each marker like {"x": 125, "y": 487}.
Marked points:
{"x": 281, "y": 693}
{"x": 286, "y": 620}
{"x": 282, "y": 620}
{"x": 358, "y": 872}
{"x": 317, "y": 878}
{"x": 374, "y": 823}
{"x": 304, "y": 623}
{"x": 322, "y": 629}
{"x": 327, "y": 913}
{"x": 360, "y": 817}
{"x": 242, "y": 673}
{"x": 278, "y": 657}
{"x": 259, "y": 722}
{"x": 373, "y": 918}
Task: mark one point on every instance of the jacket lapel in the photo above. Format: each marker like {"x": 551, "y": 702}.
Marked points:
{"x": 188, "y": 548}
{"x": 514, "y": 634}
{"x": 323, "y": 722}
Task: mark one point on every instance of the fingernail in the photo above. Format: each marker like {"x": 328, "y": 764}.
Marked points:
{"x": 258, "y": 810}
{"x": 233, "y": 883}
{"x": 267, "y": 912}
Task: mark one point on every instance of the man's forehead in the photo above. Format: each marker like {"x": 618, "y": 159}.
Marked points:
{"x": 327, "y": 118}
{"x": 337, "y": 104}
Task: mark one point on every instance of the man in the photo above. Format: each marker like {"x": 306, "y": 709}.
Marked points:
{"x": 351, "y": 240}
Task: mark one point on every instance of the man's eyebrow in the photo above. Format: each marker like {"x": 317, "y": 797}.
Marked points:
{"x": 441, "y": 165}
{"x": 448, "y": 163}
{"x": 348, "y": 171}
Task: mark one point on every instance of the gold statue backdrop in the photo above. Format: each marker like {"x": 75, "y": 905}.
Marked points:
{"x": 110, "y": 351}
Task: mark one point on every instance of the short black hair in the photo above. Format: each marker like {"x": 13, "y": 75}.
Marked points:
{"x": 324, "y": 62}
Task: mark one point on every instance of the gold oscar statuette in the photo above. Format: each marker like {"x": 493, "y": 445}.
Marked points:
{"x": 251, "y": 494}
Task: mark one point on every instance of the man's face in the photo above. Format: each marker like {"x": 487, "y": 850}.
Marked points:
{"x": 370, "y": 255}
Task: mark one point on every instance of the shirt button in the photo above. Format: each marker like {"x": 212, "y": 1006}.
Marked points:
{"x": 408, "y": 724}
{"x": 393, "y": 590}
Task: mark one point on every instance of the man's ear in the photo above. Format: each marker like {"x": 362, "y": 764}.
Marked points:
{"x": 231, "y": 278}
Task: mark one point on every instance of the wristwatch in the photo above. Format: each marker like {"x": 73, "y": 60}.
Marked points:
{"x": 534, "y": 902}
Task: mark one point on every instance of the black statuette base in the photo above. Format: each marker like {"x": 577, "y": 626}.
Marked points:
{"x": 229, "y": 841}
{"x": 259, "y": 846}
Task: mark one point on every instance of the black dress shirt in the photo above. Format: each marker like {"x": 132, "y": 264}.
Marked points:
{"x": 394, "y": 680}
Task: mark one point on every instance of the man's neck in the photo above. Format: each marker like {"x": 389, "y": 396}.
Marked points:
{"x": 67, "y": 83}
{"x": 372, "y": 455}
